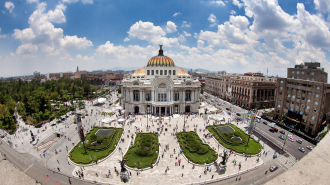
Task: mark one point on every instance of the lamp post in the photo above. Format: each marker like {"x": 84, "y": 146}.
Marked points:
{"x": 285, "y": 140}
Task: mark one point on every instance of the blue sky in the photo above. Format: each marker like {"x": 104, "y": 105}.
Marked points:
{"x": 233, "y": 35}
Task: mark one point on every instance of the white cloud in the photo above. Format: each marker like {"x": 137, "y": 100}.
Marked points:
{"x": 186, "y": 34}
{"x": 70, "y": 1}
{"x": 186, "y": 24}
{"x": 232, "y": 12}
{"x": 322, "y": 5}
{"x": 238, "y": 3}
{"x": 27, "y": 49}
{"x": 240, "y": 22}
{"x": 213, "y": 19}
{"x": 74, "y": 1}
{"x": 10, "y": 6}
{"x": 176, "y": 14}
{"x": 217, "y": 3}
{"x": 2, "y": 36}
{"x": 170, "y": 27}
{"x": 153, "y": 34}
{"x": 182, "y": 38}
{"x": 195, "y": 35}
{"x": 86, "y": 58}
{"x": 43, "y": 33}
{"x": 87, "y": 1}
{"x": 126, "y": 39}
{"x": 32, "y": 1}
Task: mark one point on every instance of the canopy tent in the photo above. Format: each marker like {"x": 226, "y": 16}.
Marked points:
{"x": 107, "y": 120}
{"x": 99, "y": 100}
{"x": 119, "y": 108}
{"x": 272, "y": 125}
{"x": 121, "y": 120}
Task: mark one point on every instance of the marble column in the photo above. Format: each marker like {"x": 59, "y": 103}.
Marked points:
{"x": 165, "y": 111}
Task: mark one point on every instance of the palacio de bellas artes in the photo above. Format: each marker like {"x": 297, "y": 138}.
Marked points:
{"x": 160, "y": 88}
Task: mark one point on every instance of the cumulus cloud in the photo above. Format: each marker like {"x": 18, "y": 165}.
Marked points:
{"x": 186, "y": 34}
{"x": 176, "y": 14}
{"x": 240, "y": 22}
{"x": 186, "y": 24}
{"x": 170, "y": 27}
{"x": 126, "y": 39}
{"x": 85, "y": 58}
{"x": 9, "y": 6}
{"x": 151, "y": 33}
{"x": 32, "y": 1}
{"x": 43, "y": 33}
{"x": 213, "y": 20}
{"x": 83, "y": 1}
{"x": 217, "y": 3}
{"x": 232, "y": 12}
{"x": 27, "y": 49}
{"x": 322, "y": 5}
{"x": 238, "y": 3}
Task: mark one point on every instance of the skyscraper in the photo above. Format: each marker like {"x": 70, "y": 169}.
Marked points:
{"x": 77, "y": 69}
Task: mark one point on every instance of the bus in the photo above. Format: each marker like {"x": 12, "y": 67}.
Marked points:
{"x": 257, "y": 119}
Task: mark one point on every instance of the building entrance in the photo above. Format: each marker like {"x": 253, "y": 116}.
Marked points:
{"x": 162, "y": 110}
{"x": 187, "y": 108}
{"x": 136, "y": 110}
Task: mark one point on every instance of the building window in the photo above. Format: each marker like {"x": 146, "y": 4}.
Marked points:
{"x": 281, "y": 87}
{"x": 306, "y": 114}
{"x": 311, "y": 124}
{"x": 303, "y": 98}
{"x": 176, "y": 97}
{"x": 292, "y": 102}
{"x": 316, "y": 102}
{"x": 307, "y": 78}
{"x": 318, "y": 87}
{"x": 307, "y": 73}
{"x": 292, "y": 77}
{"x": 152, "y": 72}
{"x": 298, "y": 72}
{"x": 307, "y": 107}
{"x": 188, "y": 95}
{"x": 161, "y": 96}
{"x": 278, "y": 105}
{"x": 156, "y": 72}
{"x": 314, "y": 110}
{"x": 289, "y": 89}
{"x": 173, "y": 72}
{"x": 280, "y": 93}
{"x": 148, "y": 72}
{"x": 165, "y": 72}
{"x": 301, "y": 112}
{"x": 299, "y": 91}
{"x": 169, "y": 72}
{"x": 292, "y": 72}
{"x": 294, "y": 90}
{"x": 317, "y": 95}
{"x": 279, "y": 99}
{"x": 287, "y": 101}
{"x": 309, "y": 93}
{"x": 136, "y": 95}
{"x": 308, "y": 100}
{"x": 312, "y": 79}
{"x": 313, "y": 117}
{"x": 312, "y": 73}
{"x": 297, "y": 77}
{"x": 293, "y": 96}
{"x": 161, "y": 72}
{"x": 302, "y": 72}
{"x": 302, "y": 105}
{"x": 281, "y": 81}
{"x": 286, "y": 107}
{"x": 289, "y": 95}
{"x": 304, "y": 92}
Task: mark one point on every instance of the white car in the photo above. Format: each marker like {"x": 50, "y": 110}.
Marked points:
{"x": 309, "y": 147}
{"x": 291, "y": 139}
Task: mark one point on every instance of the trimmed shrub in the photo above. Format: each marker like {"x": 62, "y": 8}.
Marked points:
{"x": 100, "y": 139}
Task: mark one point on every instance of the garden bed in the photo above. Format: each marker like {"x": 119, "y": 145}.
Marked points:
{"x": 144, "y": 152}
{"x": 105, "y": 147}
{"x": 194, "y": 149}
{"x": 239, "y": 146}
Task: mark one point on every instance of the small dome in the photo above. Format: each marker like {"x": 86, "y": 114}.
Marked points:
{"x": 160, "y": 60}
{"x": 139, "y": 72}
{"x": 182, "y": 72}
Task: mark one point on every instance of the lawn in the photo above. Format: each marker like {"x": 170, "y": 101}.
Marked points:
{"x": 240, "y": 147}
{"x": 144, "y": 152}
{"x": 194, "y": 149}
{"x": 79, "y": 156}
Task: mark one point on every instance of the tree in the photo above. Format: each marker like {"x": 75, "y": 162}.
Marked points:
{"x": 202, "y": 91}
{"x": 21, "y": 109}
{"x": 119, "y": 90}
{"x": 81, "y": 104}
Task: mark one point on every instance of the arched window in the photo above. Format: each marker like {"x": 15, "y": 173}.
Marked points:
{"x": 136, "y": 95}
{"x": 188, "y": 95}
{"x": 188, "y": 83}
{"x": 162, "y": 85}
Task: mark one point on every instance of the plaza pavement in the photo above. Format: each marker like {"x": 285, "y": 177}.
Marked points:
{"x": 155, "y": 176}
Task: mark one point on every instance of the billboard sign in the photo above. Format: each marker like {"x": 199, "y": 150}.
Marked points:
{"x": 80, "y": 128}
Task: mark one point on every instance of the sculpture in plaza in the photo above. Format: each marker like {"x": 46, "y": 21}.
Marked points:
{"x": 224, "y": 157}
{"x": 206, "y": 110}
{"x": 119, "y": 112}
{"x": 124, "y": 176}
{"x": 32, "y": 136}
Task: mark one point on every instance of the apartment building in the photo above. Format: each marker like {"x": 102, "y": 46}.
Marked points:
{"x": 303, "y": 101}
{"x": 218, "y": 85}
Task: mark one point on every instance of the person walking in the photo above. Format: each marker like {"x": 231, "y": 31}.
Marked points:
{"x": 240, "y": 177}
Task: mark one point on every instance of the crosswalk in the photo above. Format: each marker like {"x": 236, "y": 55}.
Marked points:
{"x": 286, "y": 160}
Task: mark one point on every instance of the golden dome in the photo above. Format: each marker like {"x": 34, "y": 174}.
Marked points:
{"x": 182, "y": 72}
{"x": 160, "y": 60}
{"x": 139, "y": 71}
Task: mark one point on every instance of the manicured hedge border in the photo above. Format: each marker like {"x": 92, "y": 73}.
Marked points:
{"x": 110, "y": 148}
{"x": 253, "y": 148}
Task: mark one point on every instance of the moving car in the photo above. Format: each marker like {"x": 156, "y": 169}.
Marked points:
{"x": 273, "y": 168}
{"x": 291, "y": 139}
{"x": 281, "y": 137}
{"x": 238, "y": 114}
{"x": 301, "y": 149}
{"x": 227, "y": 108}
{"x": 265, "y": 123}
{"x": 272, "y": 130}
{"x": 309, "y": 147}
{"x": 299, "y": 141}
{"x": 282, "y": 132}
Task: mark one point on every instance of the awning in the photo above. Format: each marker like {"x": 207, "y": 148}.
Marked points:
{"x": 292, "y": 119}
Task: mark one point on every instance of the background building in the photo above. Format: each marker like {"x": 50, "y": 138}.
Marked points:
{"x": 310, "y": 71}
{"x": 36, "y": 73}
{"x": 222, "y": 73}
{"x": 81, "y": 74}
{"x": 218, "y": 85}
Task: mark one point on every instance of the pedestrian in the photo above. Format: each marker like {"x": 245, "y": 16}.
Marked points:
{"x": 182, "y": 175}
{"x": 240, "y": 177}
{"x": 236, "y": 178}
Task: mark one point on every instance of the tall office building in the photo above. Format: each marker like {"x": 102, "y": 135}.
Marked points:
{"x": 77, "y": 69}
{"x": 303, "y": 98}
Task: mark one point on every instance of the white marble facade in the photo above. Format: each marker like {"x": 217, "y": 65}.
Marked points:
{"x": 160, "y": 88}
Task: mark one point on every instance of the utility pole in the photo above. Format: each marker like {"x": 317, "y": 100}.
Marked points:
{"x": 285, "y": 140}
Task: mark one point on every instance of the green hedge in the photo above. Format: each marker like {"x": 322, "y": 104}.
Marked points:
{"x": 226, "y": 137}
{"x": 78, "y": 155}
{"x": 145, "y": 150}
{"x": 194, "y": 149}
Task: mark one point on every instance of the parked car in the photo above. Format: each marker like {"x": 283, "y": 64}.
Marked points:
{"x": 282, "y": 132}
{"x": 272, "y": 130}
{"x": 238, "y": 114}
{"x": 227, "y": 108}
{"x": 299, "y": 141}
{"x": 301, "y": 149}
{"x": 273, "y": 168}
{"x": 309, "y": 147}
{"x": 265, "y": 123}
{"x": 291, "y": 139}
{"x": 281, "y": 137}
